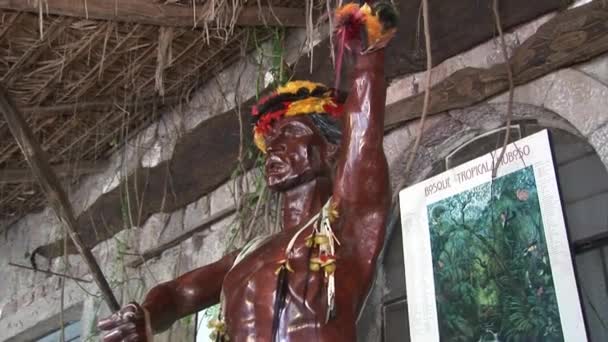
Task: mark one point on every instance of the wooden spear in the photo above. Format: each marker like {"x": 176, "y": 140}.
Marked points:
{"x": 58, "y": 199}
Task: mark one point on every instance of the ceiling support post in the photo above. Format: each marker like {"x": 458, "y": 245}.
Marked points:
{"x": 58, "y": 199}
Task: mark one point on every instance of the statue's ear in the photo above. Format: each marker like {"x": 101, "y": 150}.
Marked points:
{"x": 331, "y": 153}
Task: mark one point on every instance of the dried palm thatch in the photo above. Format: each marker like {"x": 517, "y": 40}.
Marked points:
{"x": 86, "y": 86}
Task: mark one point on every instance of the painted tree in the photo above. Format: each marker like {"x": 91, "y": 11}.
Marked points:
{"x": 492, "y": 274}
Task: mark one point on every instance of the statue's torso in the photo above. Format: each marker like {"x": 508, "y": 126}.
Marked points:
{"x": 249, "y": 288}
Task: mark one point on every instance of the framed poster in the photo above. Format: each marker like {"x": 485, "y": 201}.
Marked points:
{"x": 489, "y": 259}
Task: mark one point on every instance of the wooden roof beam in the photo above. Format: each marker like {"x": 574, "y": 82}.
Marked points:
{"x": 12, "y": 176}
{"x": 153, "y": 13}
{"x": 58, "y": 199}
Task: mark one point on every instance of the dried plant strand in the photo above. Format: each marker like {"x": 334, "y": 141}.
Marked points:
{"x": 103, "y": 52}
{"x": 86, "y": 9}
{"x": 260, "y": 13}
{"x": 194, "y": 18}
{"x": 254, "y": 216}
{"x": 427, "y": 88}
{"x": 40, "y": 19}
{"x": 310, "y": 32}
{"x": 330, "y": 22}
{"x": 165, "y": 39}
{"x": 50, "y": 273}
{"x": 62, "y": 280}
{"x": 505, "y": 53}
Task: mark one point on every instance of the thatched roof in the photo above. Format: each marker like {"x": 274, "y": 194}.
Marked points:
{"x": 87, "y": 85}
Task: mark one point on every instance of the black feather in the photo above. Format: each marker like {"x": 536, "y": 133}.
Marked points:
{"x": 387, "y": 14}
{"x": 275, "y": 102}
{"x": 279, "y": 300}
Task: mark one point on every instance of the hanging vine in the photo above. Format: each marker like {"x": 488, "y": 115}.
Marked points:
{"x": 427, "y": 96}
{"x": 505, "y": 53}
{"x": 256, "y": 201}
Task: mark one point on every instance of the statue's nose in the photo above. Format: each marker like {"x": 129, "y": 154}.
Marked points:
{"x": 275, "y": 143}
{"x": 275, "y": 147}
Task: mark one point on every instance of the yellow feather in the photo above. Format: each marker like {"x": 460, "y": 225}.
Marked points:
{"x": 346, "y": 10}
{"x": 294, "y": 86}
{"x": 260, "y": 142}
{"x": 308, "y": 106}
{"x": 374, "y": 29}
{"x": 366, "y": 9}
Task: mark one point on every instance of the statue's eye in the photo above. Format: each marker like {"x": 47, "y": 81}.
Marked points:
{"x": 295, "y": 131}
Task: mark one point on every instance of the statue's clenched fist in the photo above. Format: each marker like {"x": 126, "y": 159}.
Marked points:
{"x": 129, "y": 324}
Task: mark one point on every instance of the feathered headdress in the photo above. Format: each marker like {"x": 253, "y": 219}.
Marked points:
{"x": 294, "y": 98}
{"x": 372, "y": 26}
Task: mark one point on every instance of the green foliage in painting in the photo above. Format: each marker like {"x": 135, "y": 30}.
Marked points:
{"x": 493, "y": 279}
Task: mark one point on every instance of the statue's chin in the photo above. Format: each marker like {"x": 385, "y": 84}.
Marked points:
{"x": 289, "y": 181}
{"x": 282, "y": 184}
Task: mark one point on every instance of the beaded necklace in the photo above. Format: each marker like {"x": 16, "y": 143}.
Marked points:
{"x": 321, "y": 245}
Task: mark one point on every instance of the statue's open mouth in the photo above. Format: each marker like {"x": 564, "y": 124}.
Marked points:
{"x": 276, "y": 166}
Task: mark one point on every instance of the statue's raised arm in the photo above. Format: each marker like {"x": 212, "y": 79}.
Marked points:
{"x": 361, "y": 184}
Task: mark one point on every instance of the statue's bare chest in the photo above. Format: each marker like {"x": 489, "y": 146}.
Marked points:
{"x": 258, "y": 268}
{"x": 250, "y": 287}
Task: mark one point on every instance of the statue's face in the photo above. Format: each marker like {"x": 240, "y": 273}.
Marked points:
{"x": 296, "y": 153}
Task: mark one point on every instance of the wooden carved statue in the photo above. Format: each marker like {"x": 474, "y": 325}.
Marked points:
{"x": 307, "y": 282}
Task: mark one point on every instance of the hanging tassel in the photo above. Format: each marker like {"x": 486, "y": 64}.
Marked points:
{"x": 281, "y": 295}
{"x": 218, "y": 327}
{"x": 331, "y": 298}
{"x": 311, "y": 247}
{"x": 218, "y": 338}
{"x": 328, "y": 256}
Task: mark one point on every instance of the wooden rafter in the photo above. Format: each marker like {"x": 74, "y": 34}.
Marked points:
{"x": 58, "y": 199}
{"x": 63, "y": 170}
{"x": 96, "y": 106}
{"x": 155, "y": 13}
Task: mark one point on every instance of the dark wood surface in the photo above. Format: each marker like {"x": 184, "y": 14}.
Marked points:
{"x": 571, "y": 37}
{"x": 206, "y": 157}
{"x": 154, "y": 12}
{"x": 456, "y": 26}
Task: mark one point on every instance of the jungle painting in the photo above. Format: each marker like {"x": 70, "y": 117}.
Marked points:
{"x": 493, "y": 279}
